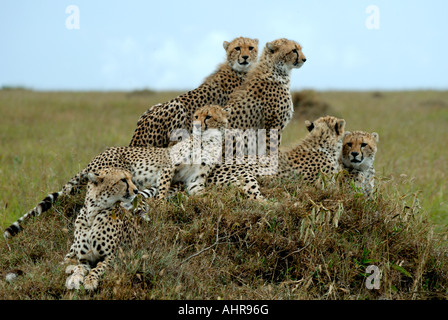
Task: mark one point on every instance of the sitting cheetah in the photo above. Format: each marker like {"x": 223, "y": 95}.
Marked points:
{"x": 155, "y": 126}
{"x": 189, "y": 162}
{"x": 317, "y": 153}
{"x": 358, "y": 153}
{"x": 100, "y": 228}
{"x": 264, "y": 100}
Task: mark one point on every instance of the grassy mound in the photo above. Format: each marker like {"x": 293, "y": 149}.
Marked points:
{"x": 304, "y": 243}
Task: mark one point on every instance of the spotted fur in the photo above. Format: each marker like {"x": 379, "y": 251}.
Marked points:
{"x": 155, "y": 126}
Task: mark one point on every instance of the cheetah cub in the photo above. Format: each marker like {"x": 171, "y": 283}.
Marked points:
{"x": 358, "y": 153}
{"x": 101, "y": 227}
{"x": 264, "y": 100}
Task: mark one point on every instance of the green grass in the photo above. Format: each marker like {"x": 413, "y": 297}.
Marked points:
{"x": 304, "y": 244}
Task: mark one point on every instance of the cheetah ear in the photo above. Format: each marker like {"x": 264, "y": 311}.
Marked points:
{"x": 309, "y": 125}
{"x": 256, "y": 41}
{"x": 271, "y": 47}
{"x": 339, "y": 127}
{"x": 225, "y": 44}
{"x": 376, "y": 136}
{"x": 95, "y": 178}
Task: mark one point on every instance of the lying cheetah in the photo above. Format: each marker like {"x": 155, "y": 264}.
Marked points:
{"x": 264, "y": 100}
{"x": 155, "y": 126}
{"x": 358, "y": 153}
{"x": 189, "y": 162}
{"x": 317, "y": 153}
{"x": 101, "y": 226}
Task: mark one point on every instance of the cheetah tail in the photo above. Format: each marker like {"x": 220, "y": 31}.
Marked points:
{"x": 148, "y": 193}
{"x": 44, "y": 205}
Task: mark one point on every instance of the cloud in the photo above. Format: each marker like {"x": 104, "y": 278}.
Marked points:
{"x": 161, "y": 63}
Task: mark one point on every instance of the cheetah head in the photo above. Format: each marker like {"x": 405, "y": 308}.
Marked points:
{"x": 328, "y": 130}
{"x": 284, "y": 53}
{"x": 212, "y": 117}
{"x": 241, "y": 53}
{"x": 110, "y": 186}
{"x": 359, "y": 149}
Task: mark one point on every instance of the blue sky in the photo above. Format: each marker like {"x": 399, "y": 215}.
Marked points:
{"x": 164, "y": 45}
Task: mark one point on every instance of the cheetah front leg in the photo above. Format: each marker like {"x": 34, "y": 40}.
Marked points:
{"x": 165, "y": 178}
{"x": 250, "y": 186}
{"x": 196, "y": 184}
{"x": 79, "y": 246}
{"x": 81, "y": 233}
{"x": 242, "y": 179}
{"x": 92, "y": 279}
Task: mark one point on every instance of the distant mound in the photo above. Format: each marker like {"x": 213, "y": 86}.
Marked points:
{"x": 140, "y": 93}
{"x": 308, "y": 105}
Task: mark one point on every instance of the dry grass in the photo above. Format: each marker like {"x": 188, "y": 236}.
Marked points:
{"x": 304, "y": 244}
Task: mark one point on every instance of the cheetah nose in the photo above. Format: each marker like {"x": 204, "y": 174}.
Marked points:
{"x": 303, "y": 59}
{"x": 355, "y": 154}
{"x": 245, "y": 57}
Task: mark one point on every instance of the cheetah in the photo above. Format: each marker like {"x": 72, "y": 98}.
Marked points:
{"x": 155, "y": 126}
{"x": 102, "y": 226}
{"x": 357, "y": 157}
{"x": 264, "y": 100}
{"x": 318, "y": 153}
{"x": 154, "y": 169}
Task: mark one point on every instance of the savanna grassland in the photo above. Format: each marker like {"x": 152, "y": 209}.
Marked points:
{"x": 305, "y": 243}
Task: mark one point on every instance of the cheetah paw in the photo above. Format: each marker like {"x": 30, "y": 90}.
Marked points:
{"x": 74, "y": 281}
{"x": 90, "y": 284}
{"x": 70, "y": 269}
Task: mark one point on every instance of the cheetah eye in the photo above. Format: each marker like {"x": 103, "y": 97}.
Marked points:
{"x": 294, "y": 51}
{"x": 208, "y": 117}
{"x": 349, "y": 144}
{"x": 251, "y": 48}
{"x": 124, "y": 180}
{"x": 237, "y": 48}
{"x": 363, "y": 145}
